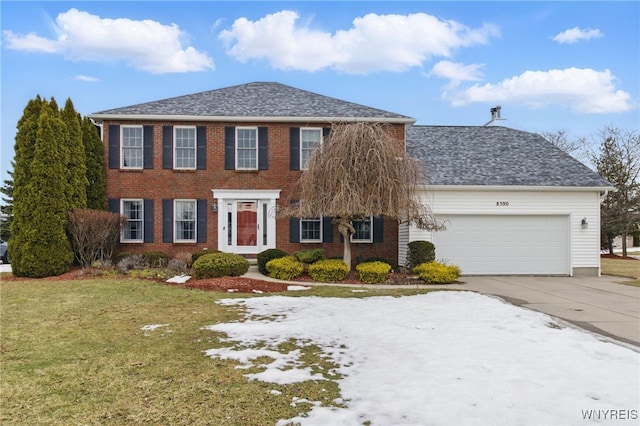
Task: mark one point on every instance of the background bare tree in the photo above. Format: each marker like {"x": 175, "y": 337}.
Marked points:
{"x": 361, "y": 170}
{"x": 560, "y": 138}
{"x": 618, "y": 161}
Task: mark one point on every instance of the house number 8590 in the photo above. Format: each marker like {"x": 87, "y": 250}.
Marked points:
{"x": 502, "y": 203}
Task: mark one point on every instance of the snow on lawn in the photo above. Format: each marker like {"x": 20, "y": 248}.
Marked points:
{"x": 443, "y": 358}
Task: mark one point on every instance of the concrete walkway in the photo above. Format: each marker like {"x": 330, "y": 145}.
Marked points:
{"x": 601, "y": 305}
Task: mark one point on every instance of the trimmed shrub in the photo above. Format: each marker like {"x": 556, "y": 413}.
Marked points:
{"x": 215, "y": 265}
{"x": 284, "y": 268}
{"x": 420, "y": 252}
{"x": 309, "y": 256}
{"x": 195, "y": 256}
{"x": 377, "y": 259}
{"x": 328, "y": 270}
{"x": 177, "y": 266}
{"x": 184, "y": 257}
{"x": 373, "y": 272}
{"x": 131, "y": 262}
{"x": 155, "y": 259}
{"x": 269, "y": 254}
{"x": 123, "y": 255}
{"x": 437, "y": 273}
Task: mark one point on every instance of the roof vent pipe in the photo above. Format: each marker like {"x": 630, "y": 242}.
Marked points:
{"x": 495, "y": 115}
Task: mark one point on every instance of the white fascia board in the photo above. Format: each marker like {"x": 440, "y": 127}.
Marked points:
{"x": 151, "y": 117}
{"x": 517, "y": 188}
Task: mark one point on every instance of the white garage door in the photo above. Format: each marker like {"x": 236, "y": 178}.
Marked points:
{"x": 505, "y": 245}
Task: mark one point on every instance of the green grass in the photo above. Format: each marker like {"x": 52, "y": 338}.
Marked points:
{"x": 622, "y": 268}
{"x": 73, "y": 353}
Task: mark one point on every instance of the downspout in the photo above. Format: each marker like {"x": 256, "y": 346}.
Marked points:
{"x": 100, "y": 125}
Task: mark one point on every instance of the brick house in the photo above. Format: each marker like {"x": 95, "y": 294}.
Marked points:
{"x": 209, "y": 170}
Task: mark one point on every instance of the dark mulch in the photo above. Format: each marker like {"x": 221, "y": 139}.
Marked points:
{"x": 615, "y": 256}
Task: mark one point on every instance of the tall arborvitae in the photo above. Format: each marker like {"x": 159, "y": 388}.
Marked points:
{"x": 76, "y": 165}
{"x": 24, "y": 152}
{"x": 39, "y": 247}
{"x": 94, "y": 153}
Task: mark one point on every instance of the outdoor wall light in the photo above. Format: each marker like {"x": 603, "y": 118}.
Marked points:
{"x": 584, "y": 223}
{"x": 214, "y": 206}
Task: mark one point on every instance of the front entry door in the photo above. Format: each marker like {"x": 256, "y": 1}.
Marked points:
{"x": 246, "y": 224}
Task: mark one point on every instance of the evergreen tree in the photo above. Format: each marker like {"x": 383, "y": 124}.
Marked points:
{"x": 75, "y": 152}
{"x": 94, "y": 154}
{"x": 39, "y": 245}
{"x": 7, "y": 208}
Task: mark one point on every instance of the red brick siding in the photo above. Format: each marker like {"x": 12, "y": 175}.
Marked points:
{"x": 159, "y": 184}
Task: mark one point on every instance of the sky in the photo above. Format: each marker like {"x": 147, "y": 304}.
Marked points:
{"x": 551, "y": 66}
{"x": 442, "y": 358}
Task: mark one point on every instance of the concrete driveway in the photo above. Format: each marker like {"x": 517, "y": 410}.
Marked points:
{"x": 601, "y": 305}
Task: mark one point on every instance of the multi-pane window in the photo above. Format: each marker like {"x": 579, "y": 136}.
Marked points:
{"x": 311, "y": 230}
{"x": 134, "y": 227}
{"x": 310, "y": 139}
{"x": 132, "y": 147}
{"x": 185, "y": 220}
{"x": 185, "y": 147}
{"x": 364, "y": 230}
{"x": 246, "y": 148}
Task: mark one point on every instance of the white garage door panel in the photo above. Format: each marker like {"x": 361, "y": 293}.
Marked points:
{"x": 517, "y": 245}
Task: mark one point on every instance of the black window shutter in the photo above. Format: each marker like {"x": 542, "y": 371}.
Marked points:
{"x": 201, "y": 147}
{"x": 167, "y": 147}
{"x": 294, "y": 148}
{"x": 147, "y": 143}
{"x": 148, "y": 221}
{"x": 113, "y": 205}
{"x": 167, "y": 221}
{"x": 378, "y": 229}
{"x": 263, "y": 148}
{"x": 114, "y": 146}
{"x": 229, "y": 148}
{"x": 327, "y": 230}
{"x": 202, "y": 221}
{"x": 326, "y": 131}
{"x": 294, "y": 230}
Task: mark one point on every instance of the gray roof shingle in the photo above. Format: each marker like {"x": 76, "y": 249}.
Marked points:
{"x": 255, "y": 100}
{"x": 495, "y": 156}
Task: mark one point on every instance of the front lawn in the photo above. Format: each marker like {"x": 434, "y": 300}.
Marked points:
{"x": 126, "y": 351}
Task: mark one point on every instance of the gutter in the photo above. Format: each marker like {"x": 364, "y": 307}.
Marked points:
{"x": 160, "y": 117}
{"x": 516, "y": 188}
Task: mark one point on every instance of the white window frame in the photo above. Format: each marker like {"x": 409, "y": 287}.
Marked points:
{"x": 309, "y": 151}
{"x": 255, "y": 149}
{"x": 140, "y": 220}
{"x": 130, "y": 148}
{"x": 176, "y": 148}
{"x": 176, "y": 221}
{"x": 364, "y": 240}
{"x": 307, "y": 240}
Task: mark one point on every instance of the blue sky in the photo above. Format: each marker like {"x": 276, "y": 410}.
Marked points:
{"x": 550, "y": 65}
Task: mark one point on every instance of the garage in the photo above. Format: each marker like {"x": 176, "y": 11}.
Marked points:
{"x": 505, "y": 244}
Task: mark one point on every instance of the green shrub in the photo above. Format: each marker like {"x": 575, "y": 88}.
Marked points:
{"x": 214, "y": 265}
{"x": 123, "y": 255}
{"x": 155, "y": 259}
{"x": 377, "y": 259}
{"x": 265, "y": 256}
{"x": 437, "y": 273}
{"x": 420, "y": 252}
{"x": 328, "y": 270}
{"x": 373, "y": 272}
{"x": 284, "y": 268}
{"x": 309, "y": 256}
{"x": 195, "y": 256}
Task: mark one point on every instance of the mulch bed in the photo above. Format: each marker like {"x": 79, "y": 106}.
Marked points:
{"x": 223, "y": 284}
{"x": 615, "y": 256}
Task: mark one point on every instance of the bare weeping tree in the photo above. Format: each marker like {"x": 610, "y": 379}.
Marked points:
{"x": 360, "y": 170}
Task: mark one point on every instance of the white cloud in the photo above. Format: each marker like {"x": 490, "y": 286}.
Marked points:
{"x": 146, "y": 45}
{"x": 373, "y": 43}
{"x": 86, "y": 78}
{"x": 457, "y": 72}
{"x": 576, "y": 34}
{"x": 583, "y": 90}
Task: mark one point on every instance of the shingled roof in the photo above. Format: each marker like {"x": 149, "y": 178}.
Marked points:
{"x": 254, "y": 101}
{"x": 495, "y": 156}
